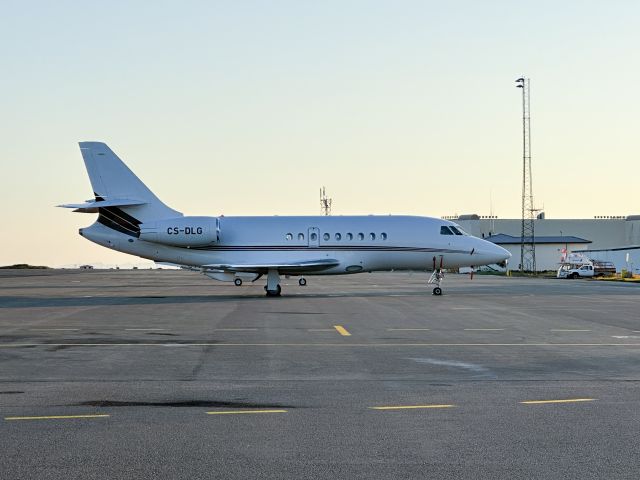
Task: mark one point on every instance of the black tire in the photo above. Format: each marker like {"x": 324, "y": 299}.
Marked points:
{"x": 274, "y": 293}
{"x": 302, "y": 282}
{"x": 575, "y": 276}
{"x": 237, "y": 282}
{"x": 437, "y": 291}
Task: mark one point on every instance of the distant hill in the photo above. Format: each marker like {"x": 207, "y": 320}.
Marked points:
{"x": 23, "y": 266}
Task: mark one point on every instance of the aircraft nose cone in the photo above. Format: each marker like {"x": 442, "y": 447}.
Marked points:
{"x": 506, "y": 254}
{"x": 492, "y": 253}
{"x": 499, "y": 254}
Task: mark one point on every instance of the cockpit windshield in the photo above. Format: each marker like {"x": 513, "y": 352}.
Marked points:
{"x": 452, "y": 230}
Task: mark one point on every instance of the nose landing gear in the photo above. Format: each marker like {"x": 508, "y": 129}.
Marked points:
{"x": 437, "y": 277}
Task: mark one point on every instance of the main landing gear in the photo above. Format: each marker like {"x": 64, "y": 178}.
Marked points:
{"x": 238, "y": 282}
{"x": 272, "y": 287}
{"x": 274, "y": 293}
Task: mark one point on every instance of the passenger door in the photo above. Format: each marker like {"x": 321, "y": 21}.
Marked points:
{"x": 313, "y": 237}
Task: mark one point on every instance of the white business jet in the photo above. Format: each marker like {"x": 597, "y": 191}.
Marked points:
{"x": 131, "y": 219}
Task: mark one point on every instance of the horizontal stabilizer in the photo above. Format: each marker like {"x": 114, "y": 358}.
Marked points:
{"x": 91, "y": 206}
{"x": 283, "y": 268}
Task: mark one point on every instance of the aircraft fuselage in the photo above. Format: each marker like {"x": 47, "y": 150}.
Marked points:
{"x": 357, "y": 243}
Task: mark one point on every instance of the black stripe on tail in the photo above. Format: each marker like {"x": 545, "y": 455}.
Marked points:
{"x": 116, "y": 219}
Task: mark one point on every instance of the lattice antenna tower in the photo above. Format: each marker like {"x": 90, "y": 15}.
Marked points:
{"x": 325, "y": 202}
{"x": 527, "y": 234}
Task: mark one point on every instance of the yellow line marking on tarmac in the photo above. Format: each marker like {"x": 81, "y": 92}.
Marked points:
{"x": 483, "y": 329}
{"x": 568, "y": 330}
{"x": 566, "y": 400}
{"x": 412, "y": 407}
{"x": 56, "y": 417}
{"x": 238, "y": 412}
{"x": 342, "y": 331}
{"x": 316, "y": 344}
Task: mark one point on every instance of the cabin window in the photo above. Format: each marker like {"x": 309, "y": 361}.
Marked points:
{"x": 349, "y": 236}
{"x": 383, "y": 236}
{"x": 455, "y": 230}
{"x": 289, "y": 236}
{"x": 313, "y": 236}
{"x": 361, "y": 236}
{"x": 301, "y": 236}
{"x": 444, "y": 230}
{"x": 372, "y": 236}
{"x": 326, "y": 237}
{"x": 338, "y": 237}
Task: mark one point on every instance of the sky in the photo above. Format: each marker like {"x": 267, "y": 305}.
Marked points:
{"x": 249, "y": 107}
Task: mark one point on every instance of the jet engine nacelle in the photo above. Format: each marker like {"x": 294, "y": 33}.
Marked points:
{"x": 182, "y": 231}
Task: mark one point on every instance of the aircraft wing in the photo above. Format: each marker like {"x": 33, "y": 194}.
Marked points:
{"x": 283, "y": 268}
{"x": 178, "y": 265}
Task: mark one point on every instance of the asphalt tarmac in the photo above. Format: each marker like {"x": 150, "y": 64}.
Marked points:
{"x": 167, "y": 374}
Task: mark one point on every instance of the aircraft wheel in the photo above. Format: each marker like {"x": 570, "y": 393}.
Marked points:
{"x": 302, "y": 282}
{"x": 274, "y": 293}
{"x": 238, "y": 282}
{"x": 437, "y": 291}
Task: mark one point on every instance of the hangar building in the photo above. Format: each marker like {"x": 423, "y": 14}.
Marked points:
{"x": 600, "y": 236}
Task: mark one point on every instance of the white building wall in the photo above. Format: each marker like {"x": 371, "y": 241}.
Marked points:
{"x": 632, "y": 232}
{"x": 547, "y": 255}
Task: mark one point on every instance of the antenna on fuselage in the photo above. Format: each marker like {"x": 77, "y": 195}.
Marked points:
{"x": 325, "y": 202}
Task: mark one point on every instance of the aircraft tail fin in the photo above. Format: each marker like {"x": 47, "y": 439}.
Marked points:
{"x": 113, "y": 181}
